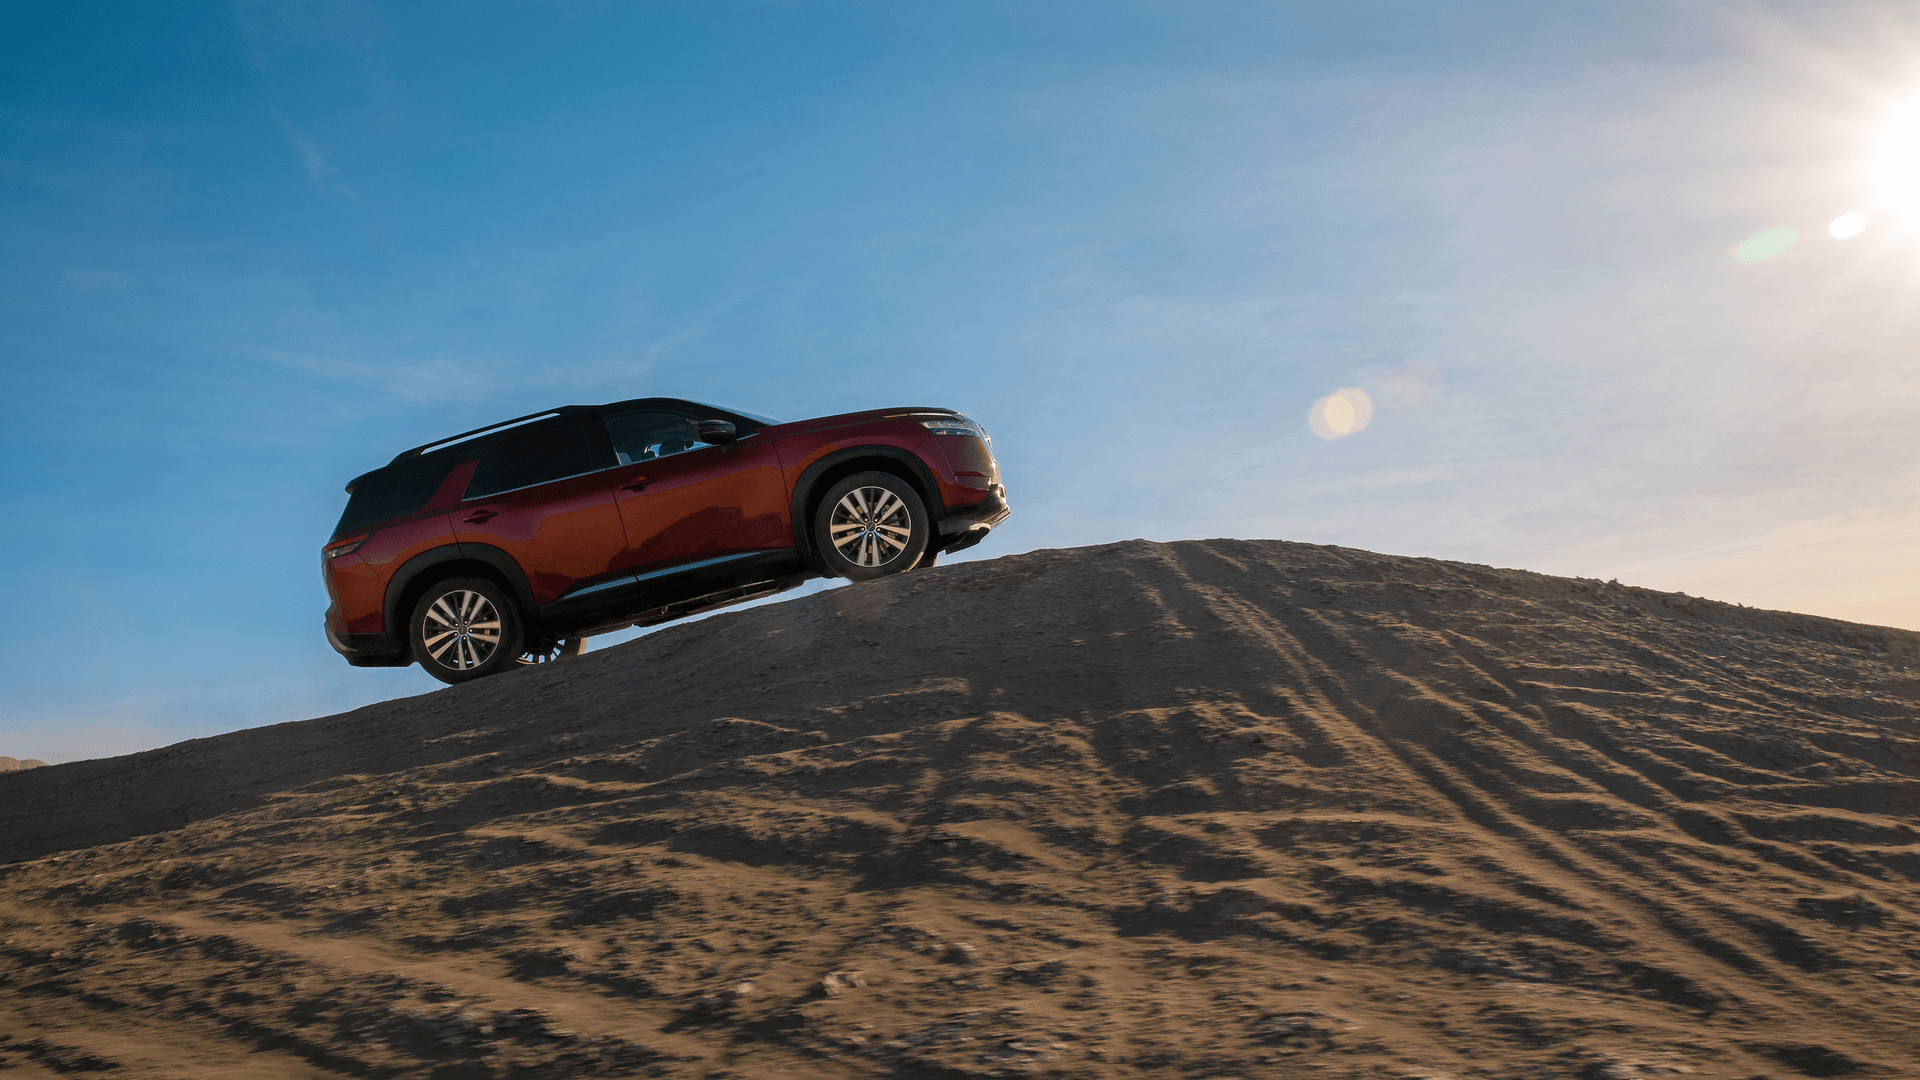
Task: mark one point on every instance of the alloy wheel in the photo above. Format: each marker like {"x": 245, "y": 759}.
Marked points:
{"x": 870, "y": 526}
{"x": 545, "y": 652}
{"x": 461, "y": 630}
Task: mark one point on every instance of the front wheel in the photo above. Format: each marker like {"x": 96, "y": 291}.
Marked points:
{"x": 465, "y": 628}
{"x": 870, "y": 525}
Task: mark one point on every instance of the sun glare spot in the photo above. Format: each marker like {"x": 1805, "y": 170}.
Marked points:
{"x": 1896, "y": 162}
{"x": 1765, "y": 244}
{"x": 1340, "y": 413}
{"x": 1846, "y": 225}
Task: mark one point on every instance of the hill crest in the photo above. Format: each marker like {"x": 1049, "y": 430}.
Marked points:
{"x": 1091, "y": 812}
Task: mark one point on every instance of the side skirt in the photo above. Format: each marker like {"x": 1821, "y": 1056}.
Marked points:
{"x": 672, "y": 593}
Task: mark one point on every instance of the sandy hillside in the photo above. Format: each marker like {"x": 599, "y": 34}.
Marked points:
{"x": 1209, "y": 809}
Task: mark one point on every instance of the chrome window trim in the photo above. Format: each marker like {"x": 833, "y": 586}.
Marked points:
{"x": 523, "y": 487}
{"x": 575, "y": 476}
{"x": 472, "y": 436}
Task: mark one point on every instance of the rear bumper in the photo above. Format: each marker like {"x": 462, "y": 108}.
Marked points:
{"x": 366, "y": 650}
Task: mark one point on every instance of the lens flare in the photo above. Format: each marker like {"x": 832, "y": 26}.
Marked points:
{"x": 1340, "y": 413}
{"x": 1765, "y": 244}
{"x": 1847, "y": 225}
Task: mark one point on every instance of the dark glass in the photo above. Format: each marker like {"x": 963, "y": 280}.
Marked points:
{"x": 537, "y": 457}
{"x": 389, "y": 494}
{"x": 651, "y": 433}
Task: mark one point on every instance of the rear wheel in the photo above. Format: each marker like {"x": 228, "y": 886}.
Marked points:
{"x": 870, "y": 525}
{"x": 465, "y": 628}
{"x": 543, "y": 652}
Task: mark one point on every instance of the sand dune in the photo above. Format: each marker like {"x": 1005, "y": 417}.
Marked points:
{"x": 1208, "y": 809}
{"x": 8, "y": 764}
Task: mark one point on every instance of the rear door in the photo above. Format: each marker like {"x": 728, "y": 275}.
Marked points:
{"x": 542, "y": 497}
{"x": 684, "y": 501}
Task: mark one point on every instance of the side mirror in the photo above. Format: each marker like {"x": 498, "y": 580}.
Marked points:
{"x": 718, "y": 432}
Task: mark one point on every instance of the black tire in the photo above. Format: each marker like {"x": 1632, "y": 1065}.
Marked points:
{"x": 465, "y": 628}
{"x": 882, "y": 525}
{"x": 931, "y": 558}
{"x": 545, "y": 652}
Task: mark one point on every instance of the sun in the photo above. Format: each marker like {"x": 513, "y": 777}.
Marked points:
{"x": 1895, "y": 168}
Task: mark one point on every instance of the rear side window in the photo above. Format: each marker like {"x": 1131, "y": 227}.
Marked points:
{"x": 391, "y": 493}
{"x": 552, "y": 453}
{"x": 643, "y": 436}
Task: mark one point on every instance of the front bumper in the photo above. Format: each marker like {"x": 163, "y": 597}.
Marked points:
{"x": 964, "y": 526}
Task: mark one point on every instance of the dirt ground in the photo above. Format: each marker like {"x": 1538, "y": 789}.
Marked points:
{"x": 1206, "y": 809}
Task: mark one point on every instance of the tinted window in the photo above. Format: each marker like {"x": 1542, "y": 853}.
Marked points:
{"x": 393, "y": 492}
{"x": 519, "y": 461}
{"x": 642, "y": 436}
{"x": 715, "y": 410}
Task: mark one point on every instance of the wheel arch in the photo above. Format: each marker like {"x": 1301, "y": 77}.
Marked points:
{"x": 421, "y": 572}
{"x": 839, "y": 465}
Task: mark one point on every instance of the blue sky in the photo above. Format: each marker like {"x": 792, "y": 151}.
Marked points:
{"x": 249, "y": 250}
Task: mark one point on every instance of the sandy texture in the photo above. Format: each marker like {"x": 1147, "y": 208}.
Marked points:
{"x": 1224, "y": 808}
{"x": 8, "y": 764}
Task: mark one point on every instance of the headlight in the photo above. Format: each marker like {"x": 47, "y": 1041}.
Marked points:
{"x": 959, "y": 426}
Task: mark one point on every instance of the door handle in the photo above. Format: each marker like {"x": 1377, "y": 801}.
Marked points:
{"x": 481, "y": 517}
{"x": 638, "y": 483}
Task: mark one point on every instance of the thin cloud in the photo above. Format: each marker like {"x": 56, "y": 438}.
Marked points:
{"x": 313, "y": 159}
{"x": 267, "y": 24}
{"x": 428, "y": 382}
{"x": 1619, "y": 398}
{"x": 1412, "y": 385}
{"x": 85, "y": 280}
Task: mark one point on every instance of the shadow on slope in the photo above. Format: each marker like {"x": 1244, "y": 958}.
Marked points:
{"x": 1207, "y": 765}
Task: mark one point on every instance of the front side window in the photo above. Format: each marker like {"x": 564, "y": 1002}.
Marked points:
{"x": 538, "y": 457}
{"x": 651, "y": 433}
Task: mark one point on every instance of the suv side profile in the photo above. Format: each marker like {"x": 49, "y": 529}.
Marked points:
{"x": 512, "y": 543}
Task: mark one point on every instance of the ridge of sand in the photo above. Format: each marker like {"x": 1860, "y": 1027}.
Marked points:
{"x": 1214, "y": 808}
{"x": 8, "y": 764}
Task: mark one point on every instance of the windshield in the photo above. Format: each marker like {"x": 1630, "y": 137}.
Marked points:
{"x": 754, "y": 416}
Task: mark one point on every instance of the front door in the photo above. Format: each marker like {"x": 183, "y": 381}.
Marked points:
{"x": 683, "y": 501}
{"x": 543, "y": 498}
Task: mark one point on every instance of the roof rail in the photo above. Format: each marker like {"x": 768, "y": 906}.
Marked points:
{"x": 418, "y": 450}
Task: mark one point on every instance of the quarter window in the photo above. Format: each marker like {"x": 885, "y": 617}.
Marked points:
{"x": 643, "y": 436}
{"x": 393, "y": 492}
{"x": 538, "y": 457}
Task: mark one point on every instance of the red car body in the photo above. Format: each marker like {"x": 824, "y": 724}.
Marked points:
{"x": 637, "y": 532}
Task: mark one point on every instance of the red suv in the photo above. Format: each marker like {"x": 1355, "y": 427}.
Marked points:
{"x": 510, "y": 544}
